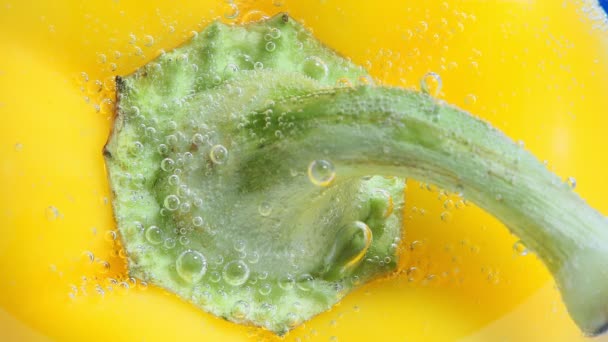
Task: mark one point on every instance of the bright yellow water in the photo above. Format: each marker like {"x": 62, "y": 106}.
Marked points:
{"x": 536, "y": 69}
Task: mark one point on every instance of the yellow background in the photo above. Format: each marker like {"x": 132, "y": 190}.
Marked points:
{"x": 536, "y": 69}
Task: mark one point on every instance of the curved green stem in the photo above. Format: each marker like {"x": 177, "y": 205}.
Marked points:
{"x": 381, "y": 131}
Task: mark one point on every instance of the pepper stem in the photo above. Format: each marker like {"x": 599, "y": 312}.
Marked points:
{"x": 386, "y": 131}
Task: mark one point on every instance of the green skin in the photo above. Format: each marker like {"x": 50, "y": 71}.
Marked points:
{"x": 307, "y": 239}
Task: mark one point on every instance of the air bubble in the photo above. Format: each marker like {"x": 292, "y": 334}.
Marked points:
{"x": 163, "y": 149}
{"x": 275, "y": 33}
{"x": 215, "y": 276}
{"x": 230, "y": 69}
{"x": 235, "y": 273}
{"x": 191, "y": 266}
{"x": 413, "y": 274}
{"x": 343, "y": 82}
{"x": 169, "y": 243}
{"x": 232, "y": 11}
{"x": 314, "y": 67}
{"x": 197, "y": 221}
{"x": 265, "y": 209}
{"x": 154, "y": 235}
{"x": 254, "y": 257}
{"x": 240, "y": 309}
{"x": 184, "y": 241}
{"x": 265, "y": 289}
{"x": 431, "y": 84}
{"x": 167, "y": 164}
{"x": 111, "y": 235}
{"x": 571, "y": 182}
{"x": 171, "y": 202}
{"x": 287, "y": 282}
{"x": 218, "y": 154}
{"x": 305, "y": 282}
{"x": 136, "y": 148}
{"x": 365, "y": 80}
{"x": 101, "y": 58}
{"x": 148, "y": 40}
{"x": 350, "y": 246}
{"x": 470, "y": 99}
{"x": 270, "y": 46}
{"x": 239, "y": 245}
{"x": 520, "y": 248}
{"x": 52, "y": 213}
{"x": 173, "y": 180}
{"x": 446, "y": 216}
{"x": 321, "y": 172}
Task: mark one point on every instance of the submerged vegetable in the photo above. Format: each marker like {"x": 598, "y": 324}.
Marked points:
{"x": 250, "y": 170}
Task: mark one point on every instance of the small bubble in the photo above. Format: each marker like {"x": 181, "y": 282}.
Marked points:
{"x": 265, "y": 289}
{"x": 191, "y": 266}
{"x": 235, "y": 273}
{"x": 18, "y": 147}
{"x": 215, "y": 276}
{"x": 314, "y": 67}
{"x": 169, "y": 243}
{"x": 431, "y": 84}
{"x": 218, "y": 154}
{"x": 258, "y": 65}
{"x": 197, "y": 221}
{"x": 265, "y": 209}
{"x": 136, "y": 148}
{"x": 171, "y": 202}
{"x": 229, "y": 70}
{"x": 239, "y": 245}
{"x": 254, "y": 257}
{"x": 287, "y": 282}
{"x": 343, "y": 82}
{"x": 52, "y": 213}
{"x": 321, "y": 172}
{"x": 520, "y": 248}
{"x": 173, "y": 180}
{"x": 154, "y": 235}
{"x": 446, "y": 216}
{"x": 413, "y": 274}
{"x": 84, "y": 77}
{"x": 89, "y": 256}
{"x": 305, "y": 282}
{"x": 111, "y": 235}
{"x": 231, "y": 11}
{"x": 422, "y": 27}
{"x": 270, "y": 46}
{"x": 184, "y": 241}
{"x": 275, "y": 33}
{"x": 349, "y": 247}
{"x": 148, "y": 40}
{"x": 365, "y": 80}
{"x": 240, "y": 309}
{"x": 104, "y": 266}
{"x": 167, "y": 164}
{"x": 101, "y": 58}
{"x": 470, "y": 99}
{"x": 571, "y": 182}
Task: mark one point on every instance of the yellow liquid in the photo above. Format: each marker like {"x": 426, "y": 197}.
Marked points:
{"x": 538, "y": 70}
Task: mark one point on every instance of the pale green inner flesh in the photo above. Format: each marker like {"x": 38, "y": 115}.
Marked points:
{"x": 242, "y": 178}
